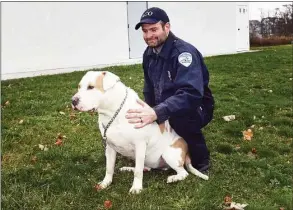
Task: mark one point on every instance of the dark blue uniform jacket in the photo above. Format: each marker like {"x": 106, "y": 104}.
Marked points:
{"x": 174, "y": 90}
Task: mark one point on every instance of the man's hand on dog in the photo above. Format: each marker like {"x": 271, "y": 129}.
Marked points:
{"x": 141, "y": 117}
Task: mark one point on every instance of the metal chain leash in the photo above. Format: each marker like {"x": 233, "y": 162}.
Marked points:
{"x": 113, "y": 118}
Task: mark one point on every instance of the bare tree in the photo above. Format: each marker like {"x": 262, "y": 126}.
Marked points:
{"x": 278, "y": 24}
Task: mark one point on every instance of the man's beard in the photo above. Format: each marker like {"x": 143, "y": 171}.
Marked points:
{"x": 158, "y": 43}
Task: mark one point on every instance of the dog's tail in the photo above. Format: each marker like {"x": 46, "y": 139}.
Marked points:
{"x": 192, "y": 170}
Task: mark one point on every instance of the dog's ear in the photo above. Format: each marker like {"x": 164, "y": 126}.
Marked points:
{"x": 109, "y": 80}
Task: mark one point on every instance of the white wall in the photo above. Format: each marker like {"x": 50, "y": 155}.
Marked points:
{"x": 209, "y": 26}
{"x": 55, "y": 35}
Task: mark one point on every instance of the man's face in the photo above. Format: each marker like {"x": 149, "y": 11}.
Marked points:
{"x": 155, "y": 34}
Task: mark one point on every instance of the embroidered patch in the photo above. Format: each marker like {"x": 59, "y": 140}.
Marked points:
{"x": 185, "y": 59}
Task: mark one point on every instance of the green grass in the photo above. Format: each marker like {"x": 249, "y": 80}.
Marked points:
{"x": 63, "y": 177}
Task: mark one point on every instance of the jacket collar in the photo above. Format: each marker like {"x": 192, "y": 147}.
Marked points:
{"x": 167, "y": 46}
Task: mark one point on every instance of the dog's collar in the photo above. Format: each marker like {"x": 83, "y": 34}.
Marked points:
{"x": 113, "y": 118}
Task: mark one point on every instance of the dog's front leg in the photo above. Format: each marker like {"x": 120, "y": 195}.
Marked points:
{"x": 140, "y": 150}
{"x": 110, "y": 165}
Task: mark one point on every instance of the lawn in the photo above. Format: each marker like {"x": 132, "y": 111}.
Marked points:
{"x": 255, "y": 87}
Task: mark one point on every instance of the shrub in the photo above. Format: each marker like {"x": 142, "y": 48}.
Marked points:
{"x": 269, "y": 41}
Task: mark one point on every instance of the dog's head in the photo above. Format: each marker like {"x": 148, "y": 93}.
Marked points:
{"x": 92, "y": 88}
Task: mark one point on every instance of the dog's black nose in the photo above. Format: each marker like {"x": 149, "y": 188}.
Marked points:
{"x": 75, "y": 101}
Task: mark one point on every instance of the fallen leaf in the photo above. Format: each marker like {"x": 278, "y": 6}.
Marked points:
{"x": 6, "y": 103}
{"x": 227, "y": 200}
{"x": 63, "y": 113}
{"x": 41, "y": 146}
{"x": 252, "y": 126}
{"x": 229, "y": 118}
{"x": 20, "y": 122}
{"x": 247, "y": 135}
{"x": 270, "y": 91}
{"x": 260, "y": 128}
{"x": 58, "y": 142}
{"x": 237, "y": 147}
{"x": 253, "y": 150}
{"x": 107, "y": 204}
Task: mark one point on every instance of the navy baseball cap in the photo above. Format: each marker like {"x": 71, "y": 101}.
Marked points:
{"x": 153, "y": 15}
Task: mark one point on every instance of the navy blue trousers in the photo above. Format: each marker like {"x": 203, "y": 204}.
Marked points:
{"x": 190, "y": 130}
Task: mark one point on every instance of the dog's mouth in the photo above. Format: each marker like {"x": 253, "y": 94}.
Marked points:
{"x": 81, "y": 109}
{"x": 74, "y": 107}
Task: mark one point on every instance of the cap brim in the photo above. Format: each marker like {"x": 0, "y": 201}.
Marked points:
{"x": 146, "y": 21}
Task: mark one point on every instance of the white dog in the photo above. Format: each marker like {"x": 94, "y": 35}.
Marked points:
{"x": 153, "y": 146}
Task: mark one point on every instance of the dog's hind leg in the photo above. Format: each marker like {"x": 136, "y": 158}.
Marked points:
{"x": 173, "y": 158}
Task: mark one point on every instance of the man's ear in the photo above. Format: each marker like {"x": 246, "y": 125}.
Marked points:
{"x": 109, "y": 80}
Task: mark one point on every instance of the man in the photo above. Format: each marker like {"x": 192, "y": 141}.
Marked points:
{"x": 176, "y": 86}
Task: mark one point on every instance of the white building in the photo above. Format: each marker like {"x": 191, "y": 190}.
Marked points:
{"x": 40, "y": 38}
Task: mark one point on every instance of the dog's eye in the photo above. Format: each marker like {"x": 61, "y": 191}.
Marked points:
{"x": 90, "y": 87}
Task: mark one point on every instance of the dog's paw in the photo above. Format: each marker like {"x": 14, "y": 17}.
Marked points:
{"x": 135, "y": 190}
{"x": 102, "y": 185}
{"x": 176, "y": 178}
{"x": 125, "y": 168}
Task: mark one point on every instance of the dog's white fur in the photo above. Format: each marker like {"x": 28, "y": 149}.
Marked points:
{"x": 153, "y": 146}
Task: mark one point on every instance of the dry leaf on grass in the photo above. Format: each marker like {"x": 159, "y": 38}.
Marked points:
{"x": 253, "y": 150}
{"x": 62, "y": 113}
{"x": 227, "y": 200}
{"x": 229, "y": 118}
{"x": 6, "y": 103}
{"x": 237, "y": 147}
{"x": 20, "y": 122}
{"x": 247, "y": 135}
{"x": 107, "y": 204}
{"x": 58, "y": 142}
{"x": 59, "y": 139}
{"x": 42, "y": 147}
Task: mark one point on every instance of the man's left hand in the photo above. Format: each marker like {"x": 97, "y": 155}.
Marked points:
{"x": 141, "y": 117}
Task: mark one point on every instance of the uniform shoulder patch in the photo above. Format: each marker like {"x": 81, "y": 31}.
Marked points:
{"x": 185, "y": 59}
